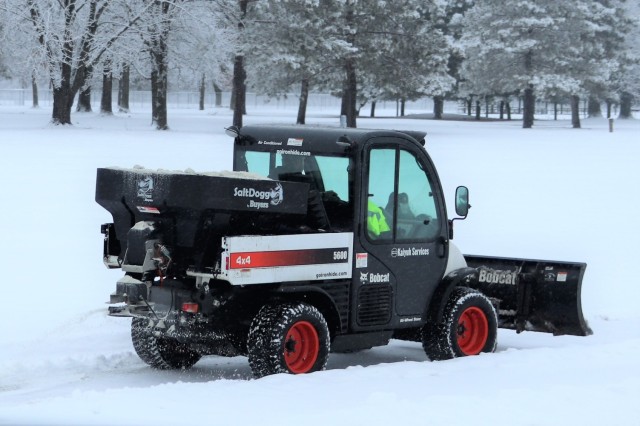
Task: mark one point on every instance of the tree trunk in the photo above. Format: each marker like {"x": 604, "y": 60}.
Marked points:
{"x": 555, "y": 111}
{"x": 501, "y": 110}
{"x": 593, "y": 108}
{"x": 84, "y": 70}
{"x": 403, "y": 102}
{"x": 609, "y": 107}
{"x": 351, "y": 85}
{"x": 351, "y": 92}
{"x": 154, "y": 95}
{"x": 478, "y": 110}
{"x": 159, "y": 77}
{"x": 344, "y": 100}
{"x": 626, "y": 100}
{"x": 239, "y": 75}
{"x": 469, "y": 105}
{"x": 123, "y": 89}
{"x": 575, "y": 111}
{"x": 508, "y": 110}
{"x": 159, "y": 95}
{"x": 302, "y": 106}
{"x": 373, "y": 109}
{"x": 84, "y": 100}
{"x": 202, "y": 87}
{"x": 529, "y": 107}
{"x": 239, "y": 93}
{"x": 62, "y": 95}
{"x": 438, "y": 107}
{"x": 106, "y": 100}
{"x": 61, "y": 108}
{"x": 218, "y": 93}
{"x": 34, "y": 91}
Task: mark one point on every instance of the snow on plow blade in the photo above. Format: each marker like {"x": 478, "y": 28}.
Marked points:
{"x": 533, "y": 295}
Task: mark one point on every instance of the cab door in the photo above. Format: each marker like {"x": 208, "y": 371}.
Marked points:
{"x": 403, "y": 227}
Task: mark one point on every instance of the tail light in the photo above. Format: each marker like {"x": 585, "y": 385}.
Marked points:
{"x": 190, "y": 307}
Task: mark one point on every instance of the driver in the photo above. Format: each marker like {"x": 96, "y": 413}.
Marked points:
{"x": 376, "y": 222}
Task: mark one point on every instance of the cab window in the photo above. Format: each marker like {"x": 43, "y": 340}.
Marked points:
{"x": 381, "y": 188}
{"x": 335, "y": 175}
{"x": 415, "y": 210}
{"x": 401, "y": 204}
{"x": 329, "y": 175}
{"x": 257, "y": 162}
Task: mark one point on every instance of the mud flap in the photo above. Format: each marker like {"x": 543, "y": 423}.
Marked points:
{"x": 533, "y": 295}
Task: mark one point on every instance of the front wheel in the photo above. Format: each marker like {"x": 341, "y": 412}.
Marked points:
{"x": 288, "y": 338}
{"x": 469, "y": 326}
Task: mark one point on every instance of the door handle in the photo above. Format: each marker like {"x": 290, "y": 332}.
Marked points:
{"x": 442, "y": 246}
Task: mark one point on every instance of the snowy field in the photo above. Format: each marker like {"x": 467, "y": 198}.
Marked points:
{"x": 551, "y": 192}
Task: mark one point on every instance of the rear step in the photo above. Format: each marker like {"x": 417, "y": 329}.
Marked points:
{"x": 533, "y": 295}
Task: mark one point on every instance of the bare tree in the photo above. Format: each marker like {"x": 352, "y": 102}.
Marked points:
{"x": 202, "y": 47}
{"x": 71, "y": 43}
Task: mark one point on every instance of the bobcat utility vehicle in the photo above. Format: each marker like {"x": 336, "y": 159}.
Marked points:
{"x": 320, "y": 240}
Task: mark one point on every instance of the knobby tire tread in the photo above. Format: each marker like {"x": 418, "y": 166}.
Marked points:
{"x": 439, "y": 340}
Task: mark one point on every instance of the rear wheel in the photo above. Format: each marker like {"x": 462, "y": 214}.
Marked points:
{"x": 469, "y": 326}
{"x": 161, "y": 353}
{"x": 288, "y": 338}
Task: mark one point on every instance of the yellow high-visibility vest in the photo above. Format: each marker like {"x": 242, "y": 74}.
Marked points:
{"x": 376, "y": 223}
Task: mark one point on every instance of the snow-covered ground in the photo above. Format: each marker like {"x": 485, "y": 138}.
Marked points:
{"x": 551, "y": 192}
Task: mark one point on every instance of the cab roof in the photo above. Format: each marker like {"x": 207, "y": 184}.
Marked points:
{"x": 329, "y": 140}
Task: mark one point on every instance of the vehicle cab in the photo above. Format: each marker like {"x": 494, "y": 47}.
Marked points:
{"x": 382, "y": 186}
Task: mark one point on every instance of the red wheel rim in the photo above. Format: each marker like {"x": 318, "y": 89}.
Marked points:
{"x": 473, "y": 331}
{"x": 301, "y": 347}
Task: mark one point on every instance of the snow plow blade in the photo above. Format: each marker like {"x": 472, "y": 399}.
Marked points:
{"x": 533, "y": 295}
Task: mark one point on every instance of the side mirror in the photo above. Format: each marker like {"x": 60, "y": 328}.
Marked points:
{"x": 462, "y": 201}
{"x": 232, "y": 131}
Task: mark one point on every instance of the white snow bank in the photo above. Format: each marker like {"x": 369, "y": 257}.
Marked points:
{"x": 548, "y": 192}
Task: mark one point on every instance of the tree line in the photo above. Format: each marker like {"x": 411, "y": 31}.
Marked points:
{"x": 362, "y": 51}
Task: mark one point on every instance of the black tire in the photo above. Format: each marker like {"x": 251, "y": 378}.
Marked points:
{"x": 160, "y": 353}
{"x": 469, "y": 326}
{"x": 288, "y": 338}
